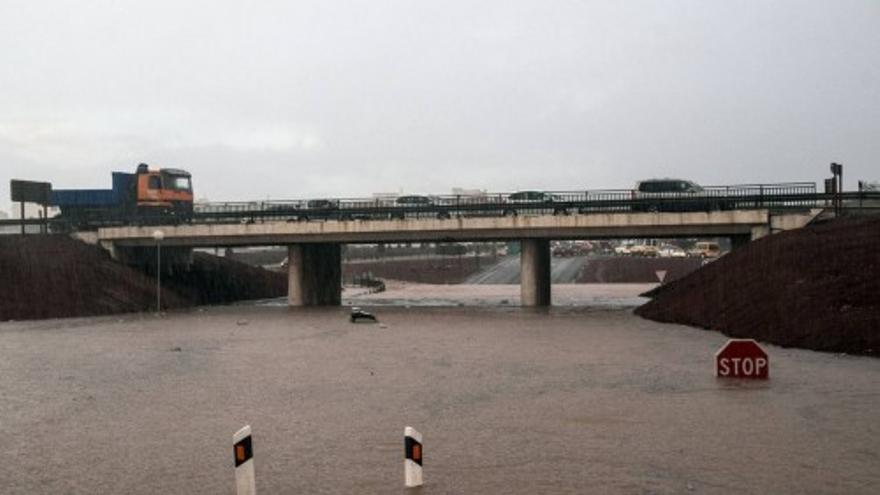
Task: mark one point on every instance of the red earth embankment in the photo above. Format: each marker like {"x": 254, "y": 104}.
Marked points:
{"x": 815, "y": 288}
{"x": 628, "y": 270}
{"x": 55, "y": 277}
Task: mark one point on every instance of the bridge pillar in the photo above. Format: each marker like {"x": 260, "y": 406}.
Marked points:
{"x": 314, "y": 274}
{"x": 535, "y": 269}
{"x": 760, "y": 231}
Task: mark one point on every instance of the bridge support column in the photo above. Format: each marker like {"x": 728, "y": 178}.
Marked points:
{"x": 314, "y": 275}
{"x": 535, "y": 268}
{"x": 760, "y": 231}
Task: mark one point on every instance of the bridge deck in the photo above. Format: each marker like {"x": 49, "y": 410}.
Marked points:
{"x": 576, "y": 226}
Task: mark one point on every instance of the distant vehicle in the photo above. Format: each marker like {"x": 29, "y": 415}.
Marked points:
{"x": 706, "y": 250}
{"x": 423, "y": 206}
{"x": 414, "y": 200}
{"x": 322, "y": 204}
{"x": 148, "y": 193}
{"x": 534, "y": 202}
{"x": 655, "y": 195}
{"x": 623, "y": 249}
{"x": 319, "y": 209}
{"x": 670, "y": 251}
{"x": 668, "y": 186}
{"x": 648, "y": 249}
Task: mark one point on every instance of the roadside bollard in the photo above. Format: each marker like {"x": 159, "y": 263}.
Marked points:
{"x": 243, "y": 451}
{"x": 412, "y": 463}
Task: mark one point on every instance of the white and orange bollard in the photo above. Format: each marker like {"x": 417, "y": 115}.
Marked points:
{"x": 243, "y": 451}
{"x": 412, "y": 463}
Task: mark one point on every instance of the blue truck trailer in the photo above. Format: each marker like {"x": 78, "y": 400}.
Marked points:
{"x": 121, "y": 193}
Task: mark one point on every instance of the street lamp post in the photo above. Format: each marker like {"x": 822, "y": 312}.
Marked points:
{"x": 158, "y": 235}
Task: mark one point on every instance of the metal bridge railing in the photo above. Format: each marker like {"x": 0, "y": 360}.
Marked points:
{"x": 786, "y": 195}
{"x": 796, "y": 195}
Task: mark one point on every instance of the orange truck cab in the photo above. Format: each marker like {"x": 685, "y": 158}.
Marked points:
{"x": 167, "y": 189}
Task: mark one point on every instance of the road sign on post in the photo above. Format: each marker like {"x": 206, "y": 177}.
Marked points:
{"x": 30, "y": 192}
{"x": 742, "y": 358}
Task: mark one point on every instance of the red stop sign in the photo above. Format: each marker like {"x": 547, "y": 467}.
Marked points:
{"x": 742, "y": 358}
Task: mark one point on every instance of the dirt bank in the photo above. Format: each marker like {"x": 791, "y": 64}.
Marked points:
{"x": 618, "y": 269}
{"x": 55, "y": 277}
{"x": 815, "y": 288}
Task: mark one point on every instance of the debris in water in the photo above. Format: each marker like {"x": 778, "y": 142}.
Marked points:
{"x": 241, "y": 323}
{"x": 359, "y": 314}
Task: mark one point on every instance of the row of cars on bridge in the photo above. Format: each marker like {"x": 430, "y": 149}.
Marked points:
{"x": 655, "y": 195}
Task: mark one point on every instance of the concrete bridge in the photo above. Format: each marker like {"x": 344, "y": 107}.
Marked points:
{"x": 314, "y": 247}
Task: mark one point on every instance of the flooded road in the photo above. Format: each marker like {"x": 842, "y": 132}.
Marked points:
{"x": 571, "y": 400}
{"x": 506, "y": 271}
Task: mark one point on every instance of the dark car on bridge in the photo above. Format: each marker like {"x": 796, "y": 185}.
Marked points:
{"x": 418, "y": 206}
{"x": 675, "y": 195}
{"x": 313, "y": 209}
{"x": 320, "y": 209}
{"x": 533, "y": 202}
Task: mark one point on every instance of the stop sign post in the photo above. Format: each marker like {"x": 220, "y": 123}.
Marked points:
{"x": 742, "y": 358}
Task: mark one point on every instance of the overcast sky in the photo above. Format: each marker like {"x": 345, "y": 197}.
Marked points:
{"x": 318, "y": 98}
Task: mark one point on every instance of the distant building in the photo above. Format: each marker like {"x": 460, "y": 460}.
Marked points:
{"x": 460, "y": 191}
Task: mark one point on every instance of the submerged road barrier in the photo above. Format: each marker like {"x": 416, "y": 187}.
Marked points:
{"x": 243, "y": 454}
{"x": 243, "y": 451}
{"x": 412, "y": 463}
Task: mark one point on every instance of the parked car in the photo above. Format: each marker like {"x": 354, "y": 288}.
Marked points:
{"x": 705, "y": 250}
{"x": 671, "y": 251}
{"x": 648, "y": 248}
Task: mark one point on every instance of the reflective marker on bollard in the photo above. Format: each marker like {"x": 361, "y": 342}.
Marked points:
{"x": 412, "y": 463}
{"x": 243, "y": 452}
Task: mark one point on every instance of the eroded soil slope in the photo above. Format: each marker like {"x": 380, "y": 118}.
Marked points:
{"x": 55, "y": 276}
{"x": 815, "y": 288}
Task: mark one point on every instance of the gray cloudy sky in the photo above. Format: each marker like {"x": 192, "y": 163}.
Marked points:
{"x": 317, "y": 98}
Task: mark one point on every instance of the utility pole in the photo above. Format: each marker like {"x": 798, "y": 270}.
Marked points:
{"x": 837, "y": 171}
{"x": 158, "y": 235}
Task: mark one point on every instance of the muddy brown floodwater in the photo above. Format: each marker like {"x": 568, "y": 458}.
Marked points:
{"x": 588, "y": 399}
